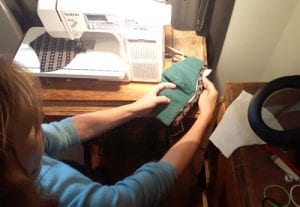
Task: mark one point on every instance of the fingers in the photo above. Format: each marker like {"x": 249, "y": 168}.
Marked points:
{"x": 163, "y": 85}
{"x": 209, "y": 86}
{"x": 162, "y": 100}
{"x": 207, "y": 83}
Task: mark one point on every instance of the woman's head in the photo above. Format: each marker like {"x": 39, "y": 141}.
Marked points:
{"x": 19, "y": 93}
{"x": 20, "y": 111}
{"x": 21, "y": 141}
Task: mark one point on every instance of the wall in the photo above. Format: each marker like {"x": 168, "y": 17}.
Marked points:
{"x": 262, "y": 42}
{"x": 10, "y": 33}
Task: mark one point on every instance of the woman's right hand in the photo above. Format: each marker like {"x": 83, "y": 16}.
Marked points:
{"x": 208, "y": 99}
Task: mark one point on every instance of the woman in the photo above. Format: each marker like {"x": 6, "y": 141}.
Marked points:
{"x": 30, "y": 177}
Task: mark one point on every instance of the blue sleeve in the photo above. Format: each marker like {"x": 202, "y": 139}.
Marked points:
{"x": 59, "y": 135}
{"x": 146, "y": 187}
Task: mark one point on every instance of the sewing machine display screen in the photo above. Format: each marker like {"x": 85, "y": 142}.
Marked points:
{"x": 94, "y": 17}
{"x": 102, "y": 22}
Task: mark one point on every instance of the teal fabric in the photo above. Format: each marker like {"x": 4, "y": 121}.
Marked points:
{"x": 185, "y": 75}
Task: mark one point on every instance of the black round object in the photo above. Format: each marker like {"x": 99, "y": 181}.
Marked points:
{"x": 287, "y": 138}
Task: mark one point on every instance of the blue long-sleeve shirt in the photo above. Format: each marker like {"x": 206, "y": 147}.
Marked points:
{"x": 146, "y": 187}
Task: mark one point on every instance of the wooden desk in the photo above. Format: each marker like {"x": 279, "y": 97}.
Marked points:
{"x": 65, "y": 97}
{"x": 240, "y": 180}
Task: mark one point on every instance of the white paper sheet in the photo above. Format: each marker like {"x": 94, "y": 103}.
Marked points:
{"x": 234, "y": 130}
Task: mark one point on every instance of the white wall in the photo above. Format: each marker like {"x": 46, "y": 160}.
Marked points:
{"x": 285, "y": 58}
{"x": 262, "y": 42}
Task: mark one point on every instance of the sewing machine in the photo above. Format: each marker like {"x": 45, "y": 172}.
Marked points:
{"x": 105, "y": 39}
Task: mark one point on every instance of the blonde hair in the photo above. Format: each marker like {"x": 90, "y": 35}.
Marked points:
{"x": 18, "y": 90}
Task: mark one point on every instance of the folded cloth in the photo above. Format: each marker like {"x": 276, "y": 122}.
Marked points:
{"x": 185, "y": 75}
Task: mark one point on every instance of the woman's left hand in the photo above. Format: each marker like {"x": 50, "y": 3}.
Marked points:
{"x": 151, "y": 99}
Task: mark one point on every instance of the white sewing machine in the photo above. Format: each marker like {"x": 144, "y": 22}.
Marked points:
{"x": 120, "y": 40}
